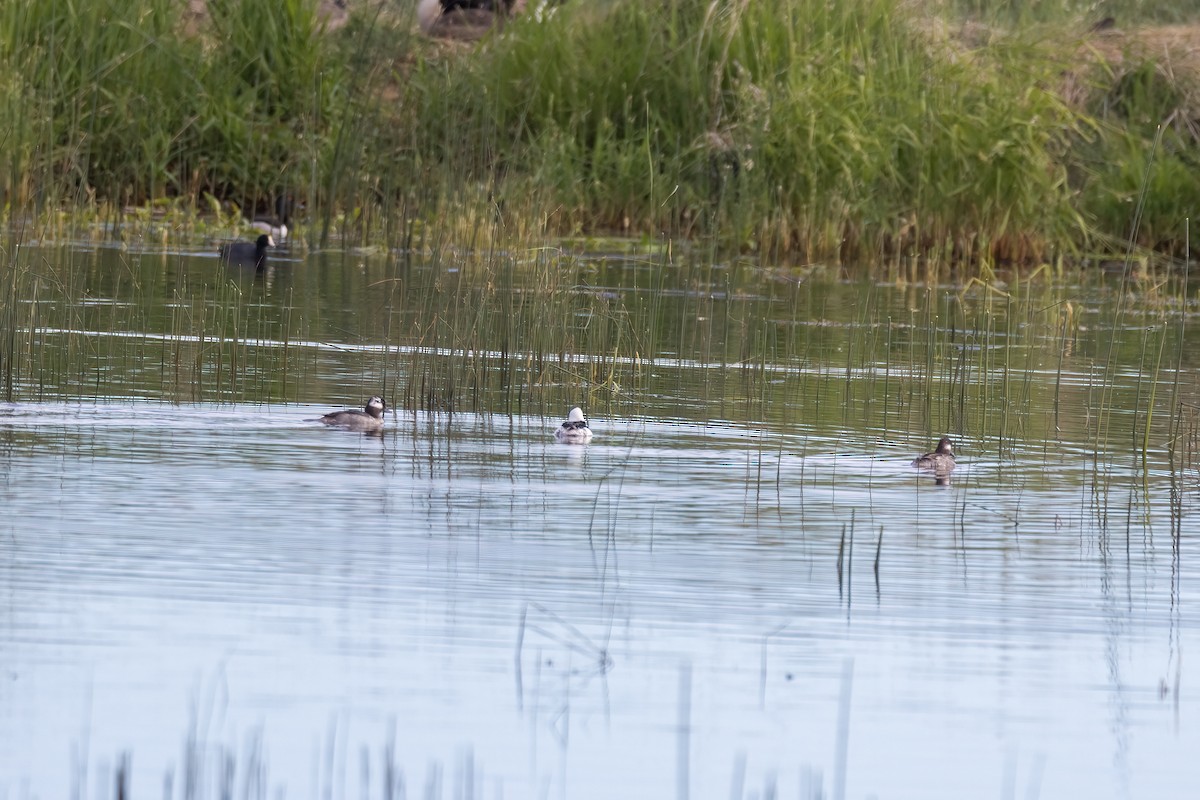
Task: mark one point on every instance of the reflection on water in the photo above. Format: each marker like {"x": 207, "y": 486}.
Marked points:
{"x": 740, "y": 586}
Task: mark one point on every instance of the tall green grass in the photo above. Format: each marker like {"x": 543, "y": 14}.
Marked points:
{"x": 802, "y": 129}
{"x": 783, "y": 125}
{"x": 118, "y": 103}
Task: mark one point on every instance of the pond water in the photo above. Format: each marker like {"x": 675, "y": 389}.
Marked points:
{"x": 739, "y": 588}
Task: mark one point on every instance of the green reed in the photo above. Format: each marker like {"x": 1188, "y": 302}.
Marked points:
{"x": 80, "y": 323}
{"x": 10, "y": 321}
{"x": 1176, "y": 405}
{"x": 509, "y": 326}
{"x": 535, "y": 330}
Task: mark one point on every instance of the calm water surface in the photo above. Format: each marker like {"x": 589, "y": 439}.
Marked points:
{"x": 739, "y": 587}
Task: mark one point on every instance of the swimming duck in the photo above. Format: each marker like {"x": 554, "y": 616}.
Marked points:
{"x": 941, "y": 459}
{"x": 370, "y": 419}
{"x": 575, "y": 429}
{"x": 247, "y": 254}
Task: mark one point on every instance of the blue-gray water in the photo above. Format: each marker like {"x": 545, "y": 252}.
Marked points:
{"x": 694, "y": 604}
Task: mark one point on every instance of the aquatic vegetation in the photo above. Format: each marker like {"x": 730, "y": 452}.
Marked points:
{"x": 852, "y": 134}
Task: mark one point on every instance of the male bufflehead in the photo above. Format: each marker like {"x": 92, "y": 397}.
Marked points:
{"x": 371, "y": 419}
{"x": 941, "y": 459}
{"x": 575, "y": 429}
{"x": 247, "y": 254}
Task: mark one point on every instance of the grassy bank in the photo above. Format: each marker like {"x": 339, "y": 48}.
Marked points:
{"x": 789, "y": 127}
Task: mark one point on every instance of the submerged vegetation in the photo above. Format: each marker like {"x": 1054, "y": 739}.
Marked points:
{"x": 854, "y": 130}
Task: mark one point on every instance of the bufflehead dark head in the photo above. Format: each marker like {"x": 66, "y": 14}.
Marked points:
{"x": 575, "y": 429}
{"x": 370, "y": 418}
